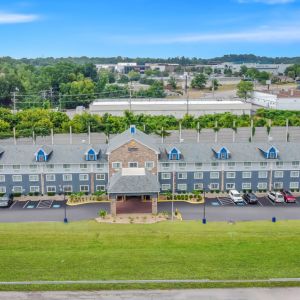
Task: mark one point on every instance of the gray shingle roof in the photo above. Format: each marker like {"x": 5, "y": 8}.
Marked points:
{"x": 126, "y": 136}
{"x": 141, "y": 184}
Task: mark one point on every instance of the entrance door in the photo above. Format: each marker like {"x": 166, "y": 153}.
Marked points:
{"x": 133, "y": 205}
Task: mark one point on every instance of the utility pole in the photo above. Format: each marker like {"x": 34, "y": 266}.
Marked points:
{"x": 130, "y": 95}
{"x": 187, "y": 103}
{"x": 14, "y": 100}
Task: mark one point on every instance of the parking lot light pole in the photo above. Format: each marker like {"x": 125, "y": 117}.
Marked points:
{"x": 65, "y": 207}
{"x": 204, "y": 206}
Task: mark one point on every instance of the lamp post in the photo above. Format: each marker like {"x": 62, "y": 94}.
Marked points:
{"x": 65, "y": 207}
{"x": 204, "y": 207}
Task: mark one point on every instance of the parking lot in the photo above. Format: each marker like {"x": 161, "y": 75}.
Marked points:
{"x": 262, "y": 201}
{"x": 41, "y": 204}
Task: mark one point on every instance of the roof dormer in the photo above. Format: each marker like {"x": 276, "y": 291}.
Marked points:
{"x": 91, "y": 154}
{"x": 271, "y": 153}
{"x": 132, "y": 129}
{"x": 174, "y": 154}
{"x": 223, "y": 153}
{"x": 43, "y": 154}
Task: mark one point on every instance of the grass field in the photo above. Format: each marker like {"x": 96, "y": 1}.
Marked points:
{"x": 179, "y": 250}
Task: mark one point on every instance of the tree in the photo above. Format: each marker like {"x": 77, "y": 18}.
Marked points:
{"x": 199, "y": 81}
{"x": 214, "y": 84}
{"x": 134, "y": 76}
{"x": 244, "y": 88}
{"x": 172, "y": 82}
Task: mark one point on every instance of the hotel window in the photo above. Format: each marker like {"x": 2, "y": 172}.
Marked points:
{"x": 262, "y": 174}
{"x": 294, "y": 174}
{"x": 17, "y": 178}
{"x": 214, "y": 175}
{"x": 165, "y": 165}
{"x": 149, "y": 165}
{"x": 50, "y": 177}
{"x": 214, "y": 164}
{"x": 100, "y": 176}
{"x": 198, "y": 186}
{"x": 230, "y": 174}
{"x": 278, "y": 185}
{"x": 262, "y": 185}
{"x": 100, "y": 188}
{"x": 165, "y": 175}
{"x": 181, "y": 187}
{"x": 50, "y": 166}
{"x": 247, "y": 164}
{"x": 33, "y": 177}
{"x": 166, "y": 187}
{"x": 230, "y": 186}
{"x": 198, "y": 175}
{"x": 16, "y": 167}
{"x": 116, "y": 165}
{"x": 198, "y": 165}
{"x": 1, "y": 167}
{"x": 214, "y": 186}
{"x": 51, "y": 189}
{"x": 33, "y": 167}
{"x": 66, "y": 166}
{"x": 231, "y": 164}
{"x": 67, "y": 177}
{"x": 2, "y": 178}
{"x": 67, "y": 188}
{"x": 17, "y": 189}
{"x": 279, "y": 164}
{"x": 182, "y": 175}
{"x": 263, "y": 164}
{"x": 2, "y": 189}
{"x": 182, "y": 165}
{"x": 34, "y": 189}
{"x": 246, "y": 174}
{"x": 133, "y": 164}
{"x": 83, "y": 177}
{"x": 100, "y": 166}
{"x": 278, "y": 174}
{"x": 246, "y": 185}
{"x": 84, "y": 188}
{"x": 295, "y": 163}
{"x": 294, "y": 185}
{"x": 83, "y": 166}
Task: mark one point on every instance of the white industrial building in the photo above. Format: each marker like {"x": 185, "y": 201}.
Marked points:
{"x": 284, "y": 99}
{"x": 175, "y": 107}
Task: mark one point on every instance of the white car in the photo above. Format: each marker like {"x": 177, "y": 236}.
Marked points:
{"x": 275, "y": 196}
{"x": 235, "y": 196}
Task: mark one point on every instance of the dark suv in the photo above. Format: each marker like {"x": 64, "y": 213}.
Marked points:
{"x": 250, "y": 198}
{"x": 6, "y": 200}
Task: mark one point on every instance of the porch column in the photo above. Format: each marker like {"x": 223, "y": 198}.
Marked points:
{"x": 154, "y": 204}
{"x": 113, "y": 207}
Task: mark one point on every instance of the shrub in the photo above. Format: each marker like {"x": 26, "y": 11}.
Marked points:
{"x": 16, "y": 194}
{"x": 50, "y": 193}
{"x": 102, "y": 213}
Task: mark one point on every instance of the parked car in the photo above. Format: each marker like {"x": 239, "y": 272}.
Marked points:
{"x": 250, "y": 198}
{"x": 235, "y": 196}
{"x": 6, "y": 200}
{"x": 288, "y": 197}
{"x": 275, "y": 196}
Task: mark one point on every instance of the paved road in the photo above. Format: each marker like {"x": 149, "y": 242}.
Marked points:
{"x": 34, "y": 212}
{"x": 199, "y": 294}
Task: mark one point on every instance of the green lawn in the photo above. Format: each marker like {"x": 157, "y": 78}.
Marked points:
{"x": 179, "y": 250}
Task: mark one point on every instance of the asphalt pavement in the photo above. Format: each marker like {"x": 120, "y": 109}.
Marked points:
{"x": 216, "y": 209}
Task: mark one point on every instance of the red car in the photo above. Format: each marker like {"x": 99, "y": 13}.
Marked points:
{"x": 288, "y": 197}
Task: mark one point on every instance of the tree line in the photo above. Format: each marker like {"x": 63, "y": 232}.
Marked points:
{"x": 41, "y": 121}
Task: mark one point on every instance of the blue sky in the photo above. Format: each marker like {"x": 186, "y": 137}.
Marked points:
{"x": 152, "y": 28}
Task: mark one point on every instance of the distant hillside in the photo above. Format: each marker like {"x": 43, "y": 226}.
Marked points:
{"x": 234, "y": 58}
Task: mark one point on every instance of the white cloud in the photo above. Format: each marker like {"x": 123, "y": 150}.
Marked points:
{"x": 12, "y": 18}
{"x": 270, "y": 2}
{"x": 272, "y": 35}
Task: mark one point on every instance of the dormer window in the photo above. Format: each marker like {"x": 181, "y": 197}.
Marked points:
{"x": 132, "y": 129}
{"x": 91, "y": 155}
{"x": 223, "y": 153}
{"x": 174, "y": 154}
{"x": 271, "y": 153}
{"x": 42, "y": 155}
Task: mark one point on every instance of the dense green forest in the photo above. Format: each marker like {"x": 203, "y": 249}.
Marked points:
{"x": 42, "y": 120}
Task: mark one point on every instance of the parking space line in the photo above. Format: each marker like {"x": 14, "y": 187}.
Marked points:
{"x": 259, "y": 202}
{"x": 13, "y": 204}
{"x": 26, "y": 204}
